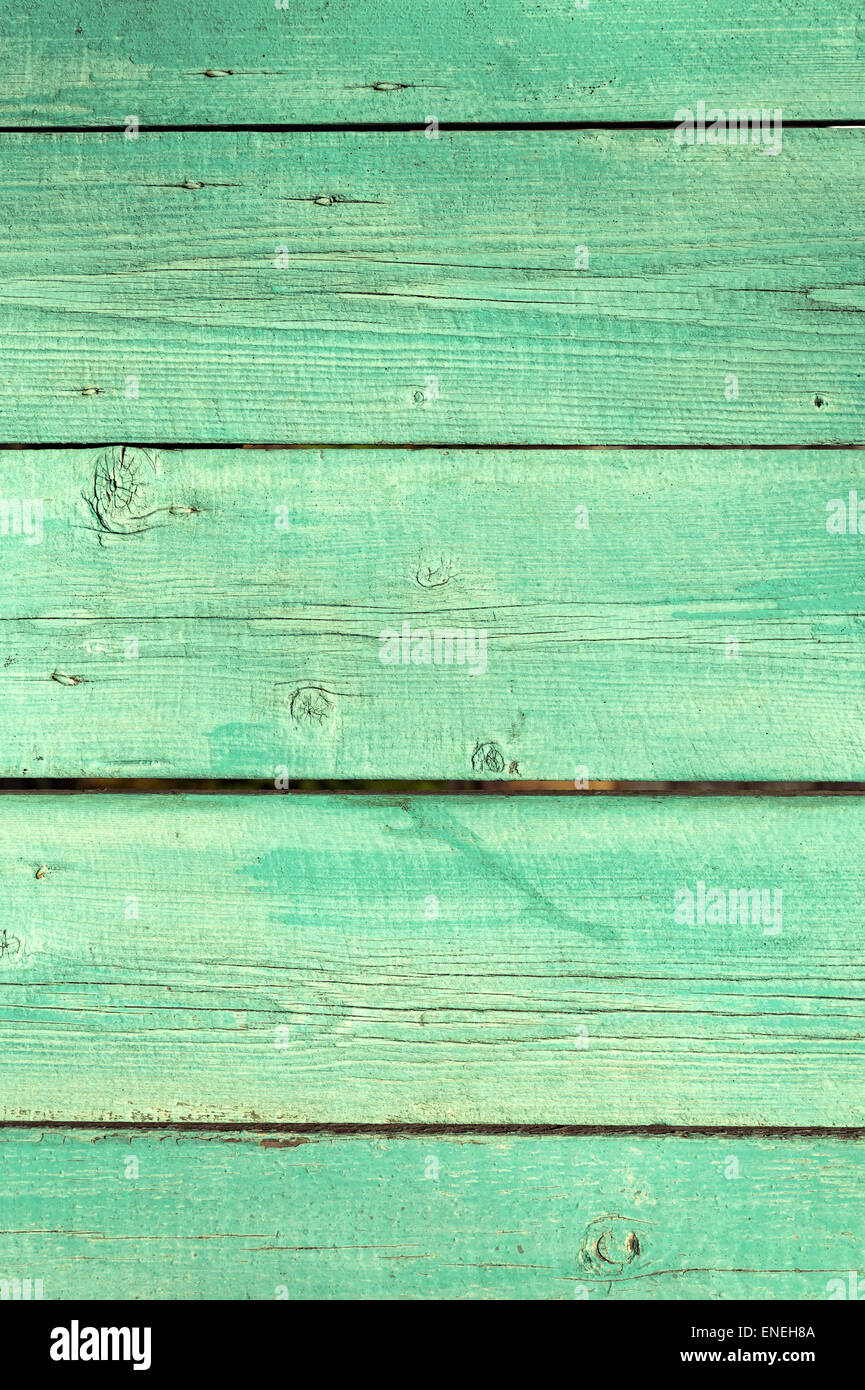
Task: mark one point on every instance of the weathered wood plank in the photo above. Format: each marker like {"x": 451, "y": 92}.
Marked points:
{"x": 311, "y": 61}
{"x": 439, "y": 960}
{"x": 204, "y": 613}
{"x": 174, "y": 1215}
{"x": 360, "y": 288}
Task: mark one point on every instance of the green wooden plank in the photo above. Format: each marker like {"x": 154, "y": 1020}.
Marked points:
{"x": 310, "y": 61}
{"x": 219, "y": 613}
{"x": 426, "y": 291}
{"x": 175, "y": 1215}
{"x": 477, "y": 960}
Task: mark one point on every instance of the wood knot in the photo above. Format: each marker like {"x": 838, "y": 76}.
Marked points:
{"x": 609, "y": 1245}
{"x": 434, "y": 575}
{"x": 488, "y": 757}
{"x": 310, "y": 704}
{"x": 118, "y": 498}
{"x": 9, "y": 945}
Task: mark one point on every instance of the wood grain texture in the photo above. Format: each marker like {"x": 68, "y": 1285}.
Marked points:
{"x": 428, "y": 290}
{"x": 372, "y": 61}
{"x": 479, "y": 960}
{"x": 168, "y": 1215}
{"x": 218, "y": 613}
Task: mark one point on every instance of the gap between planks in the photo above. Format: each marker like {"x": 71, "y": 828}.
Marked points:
{"x": 431, "y": 448}
{"x": 395, "y": 127}
{"x": 226, "y": 786}
{"x": 396, "y": 1130}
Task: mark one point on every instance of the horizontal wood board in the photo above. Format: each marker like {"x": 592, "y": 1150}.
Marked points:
{"x": 385, "y": 288}
{"x": 308, "y": 61}
{"x": 299, "y": 1216}
{"x": 625, "y": 614}
{"x": 474, "y": 960}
